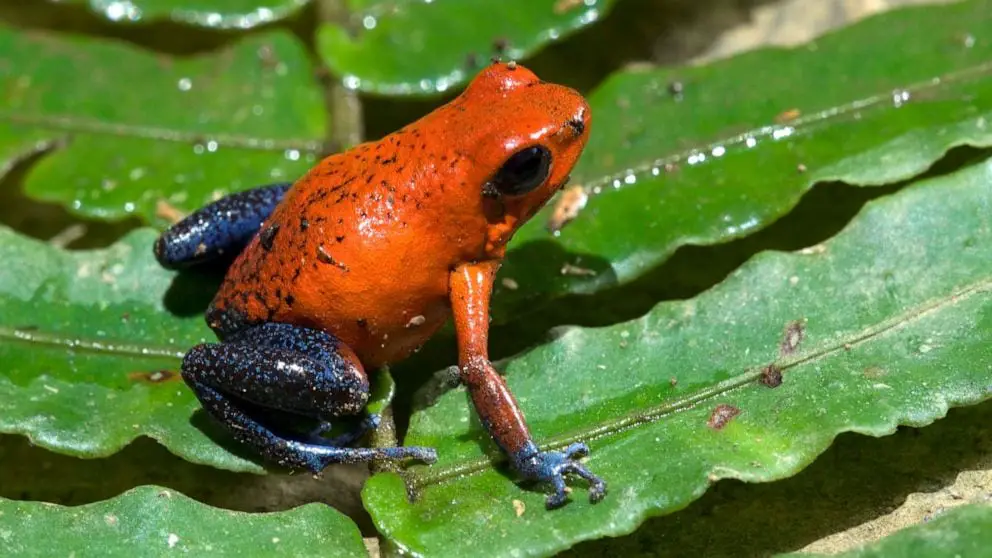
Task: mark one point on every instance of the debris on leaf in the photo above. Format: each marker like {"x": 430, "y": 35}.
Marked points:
{"x": 794, "y": 334}
{"x": 771, "y": 376}
{"x": 722, "y": 415}
{"x": 519, "y": 507}
{"x": 571, "y": 202}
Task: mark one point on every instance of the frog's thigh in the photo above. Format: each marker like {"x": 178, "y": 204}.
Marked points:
{"x": 289, "y": 368}
{"x": 284, "y": 367}
{"x": 221, "y": 228}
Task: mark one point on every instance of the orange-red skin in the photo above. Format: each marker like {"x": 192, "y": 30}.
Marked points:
{"x": 366, "y": 243}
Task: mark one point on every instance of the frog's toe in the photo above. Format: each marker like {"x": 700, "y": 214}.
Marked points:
{"x": 415, "y": 453}
{"x": 597, "y": 486}
{"x": 553, "y": 466}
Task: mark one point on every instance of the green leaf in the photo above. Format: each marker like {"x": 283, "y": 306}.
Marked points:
{"x": 422, "y": 47}
{"x": 153, "y": 521}
{"x": 878, "y": 103}
{"x": 91, "y": 351}
{"x": 888, "y": 323}
{"x": 133, "y": 128}
{"x": 215, "y": 14}
{"x": 962, "y": 531}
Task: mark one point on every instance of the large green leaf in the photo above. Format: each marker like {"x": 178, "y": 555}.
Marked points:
{"x": 878, "y": 102}
{"x": 90, "y": 347}
{"x": 134, "y": 128}
{"x": 962, "y": 531}
{"x": 153, "y": 521}
{"x": 217, "y": 14}
{"x": 888, "y": 323}
{"x": 422, "y": 47}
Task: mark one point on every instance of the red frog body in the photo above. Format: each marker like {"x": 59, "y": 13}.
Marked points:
{"x": 361, "y": 260}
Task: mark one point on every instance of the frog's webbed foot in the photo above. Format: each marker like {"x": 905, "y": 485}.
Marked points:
{"x": 293, "y": 371}
{"x": 552, "y": 466}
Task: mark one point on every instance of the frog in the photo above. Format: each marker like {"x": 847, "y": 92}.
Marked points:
{"x": 356, "y": 264}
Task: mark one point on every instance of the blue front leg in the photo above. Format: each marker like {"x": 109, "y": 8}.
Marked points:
{"x": 290, "y": 370}
{"x": 221, "y": 228}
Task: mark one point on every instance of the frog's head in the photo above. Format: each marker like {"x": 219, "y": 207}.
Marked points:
{"x": 526, "y": 137}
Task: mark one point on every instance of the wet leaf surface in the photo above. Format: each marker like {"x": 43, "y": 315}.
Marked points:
{"x": 887, "y": 323}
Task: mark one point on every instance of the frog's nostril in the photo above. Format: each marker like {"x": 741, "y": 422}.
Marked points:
{"x": 577, "y": 125}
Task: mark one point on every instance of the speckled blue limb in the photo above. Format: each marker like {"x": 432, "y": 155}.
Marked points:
{"x": 223, "y": 227}
{"x": 289, "y": 369}
{"x": 552, "y": 466}
{"x": 317, "y": 435}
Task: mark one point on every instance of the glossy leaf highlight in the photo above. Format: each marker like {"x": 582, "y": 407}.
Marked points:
{"x": 417, "y": 47}
{"x": 132, "y": 129}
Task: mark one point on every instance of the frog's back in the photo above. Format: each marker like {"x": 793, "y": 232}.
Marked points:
{"x": 356, "y": 248}
{"x": 362, "y": 246}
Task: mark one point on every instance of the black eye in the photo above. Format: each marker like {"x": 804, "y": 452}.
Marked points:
{"x": 522, "y": 172}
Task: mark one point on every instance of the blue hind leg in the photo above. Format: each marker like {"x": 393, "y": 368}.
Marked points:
{"x": 289, "y": 370}
{"x": 222, "y": 228}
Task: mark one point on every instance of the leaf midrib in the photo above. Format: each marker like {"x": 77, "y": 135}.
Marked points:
{"x": 799, "y": 126}
{"x": 75, "y": 124}
{"x": 82, "y": 344}
{"x": 437, "y": 476}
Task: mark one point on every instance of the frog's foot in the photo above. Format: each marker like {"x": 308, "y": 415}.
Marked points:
{"x": 552, "y": 466}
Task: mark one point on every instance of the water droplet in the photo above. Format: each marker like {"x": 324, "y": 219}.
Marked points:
{"x": 750, "y": 142}
{"x": 719, "y": 150}
{"x": 129, "y": 207}
{"x": 617, "y": 183}
{"x": 425, "y": 84}
{"x": 185, "y": 84}
{"x": 211, "y": 146}
{"x": 442, "y": 84}
{"x": 969, "y": 41}
{"x": 292, "y": 155}
{"x": 783, "y": 132}
{"x": 137, "y": 173}
{"x": 629, "y": 179}
{"x": 352, "y": 82}
{"x": 655, "y": 171}
{"x": 265, "y": 14}
{"x": 900, "y": 97}
{"x": 117, "y": 11}
{"x": 588, "y": 17}
{"x": 369, "y": 22}
{"x": 696, "y": 158}
{"x": 198, "y": 149}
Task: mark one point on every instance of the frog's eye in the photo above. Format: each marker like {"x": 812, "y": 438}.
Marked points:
{"x": 522, "y": 172}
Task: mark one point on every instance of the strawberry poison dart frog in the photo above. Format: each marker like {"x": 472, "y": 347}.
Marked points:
{"x": 360, "y": 261}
